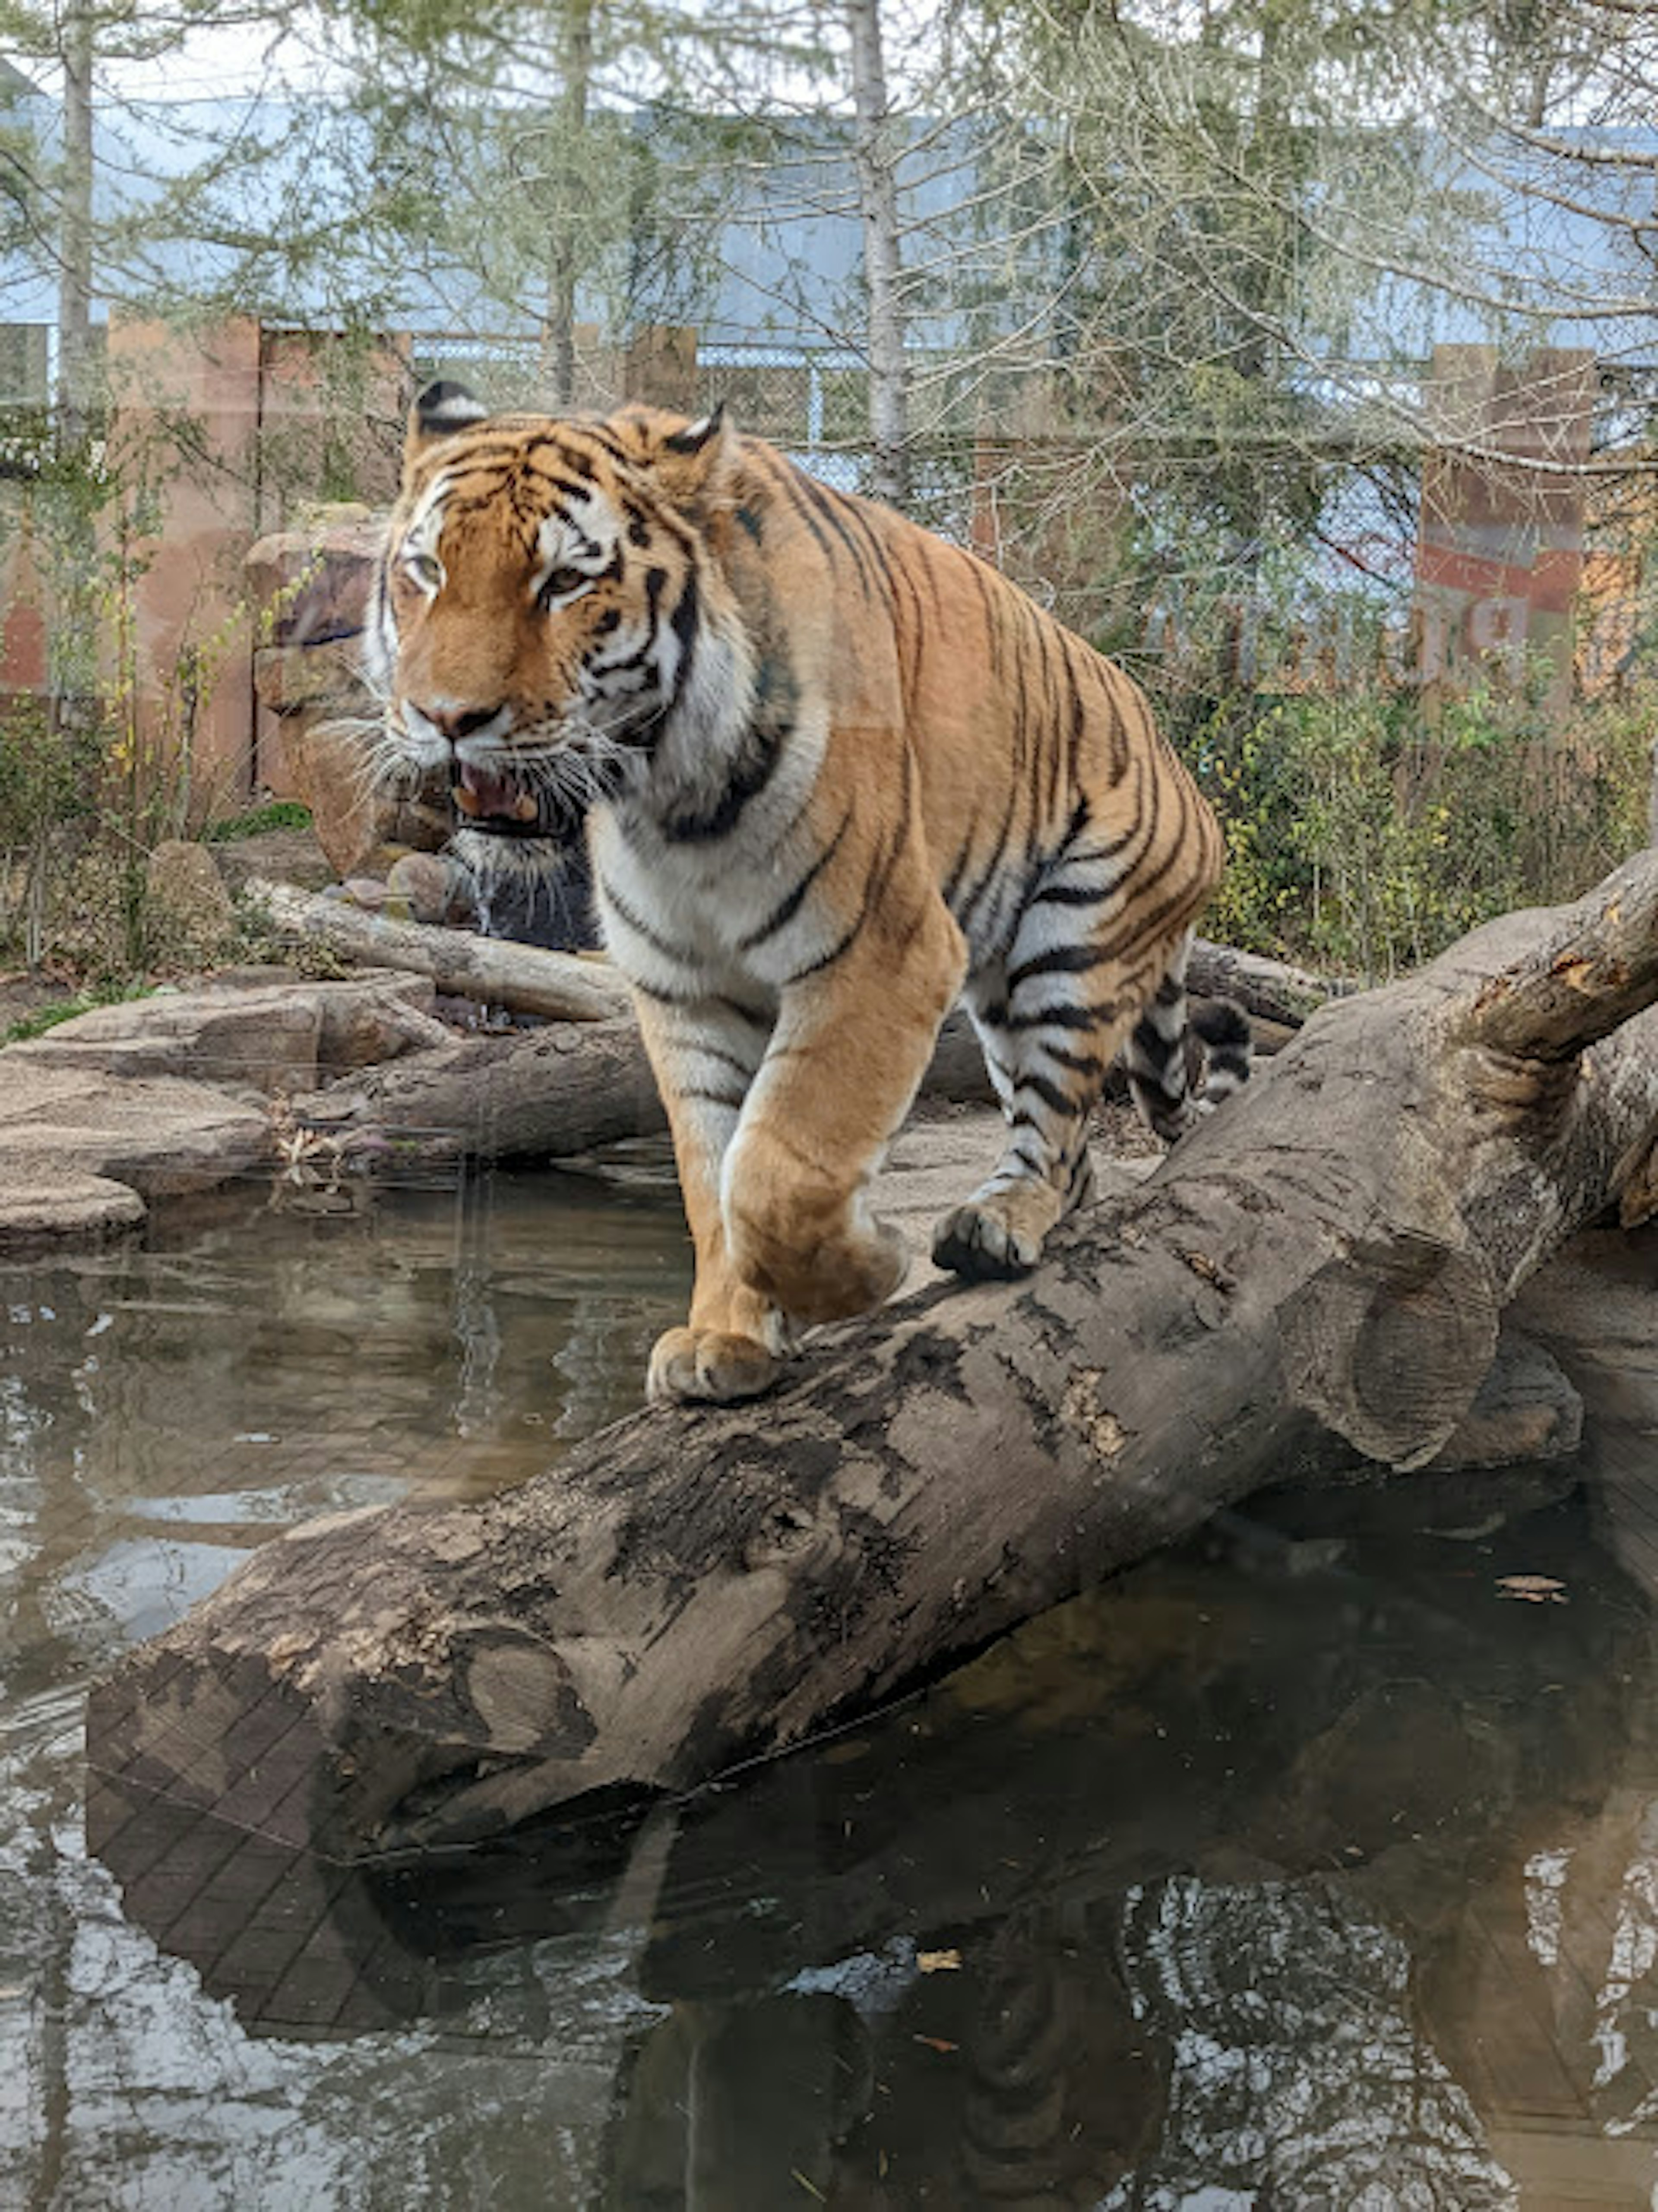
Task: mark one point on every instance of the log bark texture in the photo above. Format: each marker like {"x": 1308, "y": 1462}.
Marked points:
{"x": 492, "y": 970}
{"x": 1332, "y": 1251}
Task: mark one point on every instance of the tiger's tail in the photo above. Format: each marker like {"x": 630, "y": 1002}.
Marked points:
{"x": 1161, "y": 1061}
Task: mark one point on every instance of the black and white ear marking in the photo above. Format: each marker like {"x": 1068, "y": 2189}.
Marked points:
{"x": 441, "y": 410}
{"x": 444, "y": 407}
{"x": 693, "y": 438}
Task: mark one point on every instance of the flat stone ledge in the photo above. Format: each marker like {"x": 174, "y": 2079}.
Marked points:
{"x": 78, "y": 1209}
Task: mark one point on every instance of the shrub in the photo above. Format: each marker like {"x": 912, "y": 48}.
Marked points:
{"x": 1368, "y": 829}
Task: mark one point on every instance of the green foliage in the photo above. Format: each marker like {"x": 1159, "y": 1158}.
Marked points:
{"x": 46, "y": 1018}
{"x": 280, "y": 814}
{"x": 48, "y": 767}
{"x": 1367, "y": 831}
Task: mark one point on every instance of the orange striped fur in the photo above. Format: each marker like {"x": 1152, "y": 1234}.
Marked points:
{"x": 837, "y": 774}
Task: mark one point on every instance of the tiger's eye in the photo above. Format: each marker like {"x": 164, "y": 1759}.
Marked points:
{"x": 425, "y": 570}
{"x": 560, "y": 585}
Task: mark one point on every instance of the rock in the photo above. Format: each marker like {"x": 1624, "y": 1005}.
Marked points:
{"x": 266, "y": 1036}
{"x": 431, "y": 887}
{"x": 314, "y": 582}
{"x": 283, "y": 856}
{"x": 160, "y": 1096}
{"x": 313, "y": 585}
{"x": 362, "y": 826}
{"x": 62, "y": 1206}
{"x": 290, "y": 679}
{"x": 1526, "y": 1409}
{"x": 81, "y": 1150}
{"x": 190, "y": 911}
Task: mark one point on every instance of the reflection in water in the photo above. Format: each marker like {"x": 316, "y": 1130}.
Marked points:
{"x": 160, "y": 1412}
{"x": 1283, "y": 1873}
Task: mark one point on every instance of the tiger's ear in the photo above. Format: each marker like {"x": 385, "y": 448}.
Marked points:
{"x": 441, "y": 410}
{"x": 688, "y": 464}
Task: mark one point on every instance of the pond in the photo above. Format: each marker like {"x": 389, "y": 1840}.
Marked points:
{"x": 1312, "y": 1864}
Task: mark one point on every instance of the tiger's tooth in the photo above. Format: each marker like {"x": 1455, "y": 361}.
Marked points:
{"x": 466, "y": 800}
{"x": 525, "y": 808}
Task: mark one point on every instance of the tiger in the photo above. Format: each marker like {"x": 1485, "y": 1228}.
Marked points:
{"x": 836, "y": 774}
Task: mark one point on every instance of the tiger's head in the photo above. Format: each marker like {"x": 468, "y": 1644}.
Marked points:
{"x": 551, "y": 627}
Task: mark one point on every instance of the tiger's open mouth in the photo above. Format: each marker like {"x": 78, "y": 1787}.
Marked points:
{"x": 502, "y": 806}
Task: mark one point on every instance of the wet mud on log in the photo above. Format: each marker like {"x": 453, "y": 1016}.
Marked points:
{"x": 1332, "y": 1253}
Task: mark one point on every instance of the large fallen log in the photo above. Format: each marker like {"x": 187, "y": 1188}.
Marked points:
{"x": 1329, "y": 1255}
{"x": 547, "y": 1093}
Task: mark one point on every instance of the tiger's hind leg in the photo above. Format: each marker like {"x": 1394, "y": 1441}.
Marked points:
{"x": 1051, "y": 1019}
{"x": 1047, "y": 1080}
{"x": 1158, "y": 1058}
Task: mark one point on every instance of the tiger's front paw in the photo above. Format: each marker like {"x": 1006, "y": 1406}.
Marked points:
{"x": 707, "y": 1366}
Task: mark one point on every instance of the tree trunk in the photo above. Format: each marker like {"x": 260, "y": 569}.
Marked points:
{"x": 75, "y": 269}
{"x": 877, "y": 162}
{"x": 1329, "y": 1255}
{"x": 563, "y": 262}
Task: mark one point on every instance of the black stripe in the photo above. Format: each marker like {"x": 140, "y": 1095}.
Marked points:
{"x": 785, "y": 909}
{"x": 889, "y": 569}
{"x": 988, "y": 874}
{"x": 877, "y": 890}
{"x": 786, "y": 483}
{"x": 1073, "y": 895}
{"x": 842, "y": 944}
{"x": 597, "y": 434}
{"x": 1053, "y": 1097}
{"x": 659, "y": 997}
{"x": 686, "y": 1000}
{"x": 1067, "y": 1016}
{"x": 739, "y": 1067}
{"x": 1086, "y": 1064}
{"x": 656, "y": 581}
{"x": 1055, "y": 782}
{"x": 641, "y": 927}
{"x": 958, "y": 867}
{"x": 569, "y": 488}
{"x": 753, "y": 771}
{"x": 710, "y": 1097}
{"x": 826, "y": 505}
{"x": 1074, "y": 736}
{"x": 684, "y": 621}
{"x": 1063, "y": 960}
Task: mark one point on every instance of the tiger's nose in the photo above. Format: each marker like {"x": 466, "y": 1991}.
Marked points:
{"x": 457, "y": 722}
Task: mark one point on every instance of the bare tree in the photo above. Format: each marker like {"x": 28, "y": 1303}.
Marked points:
{"x": 876, "y": 159}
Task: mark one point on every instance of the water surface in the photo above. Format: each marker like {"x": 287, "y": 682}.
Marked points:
{"x": 1307, "y": 1866}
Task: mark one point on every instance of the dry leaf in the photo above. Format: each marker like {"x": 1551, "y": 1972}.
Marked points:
{"x": 1533, "y": 1589}
{"x": 936, "y": 2042}
{"x": 938, "y": 1962}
